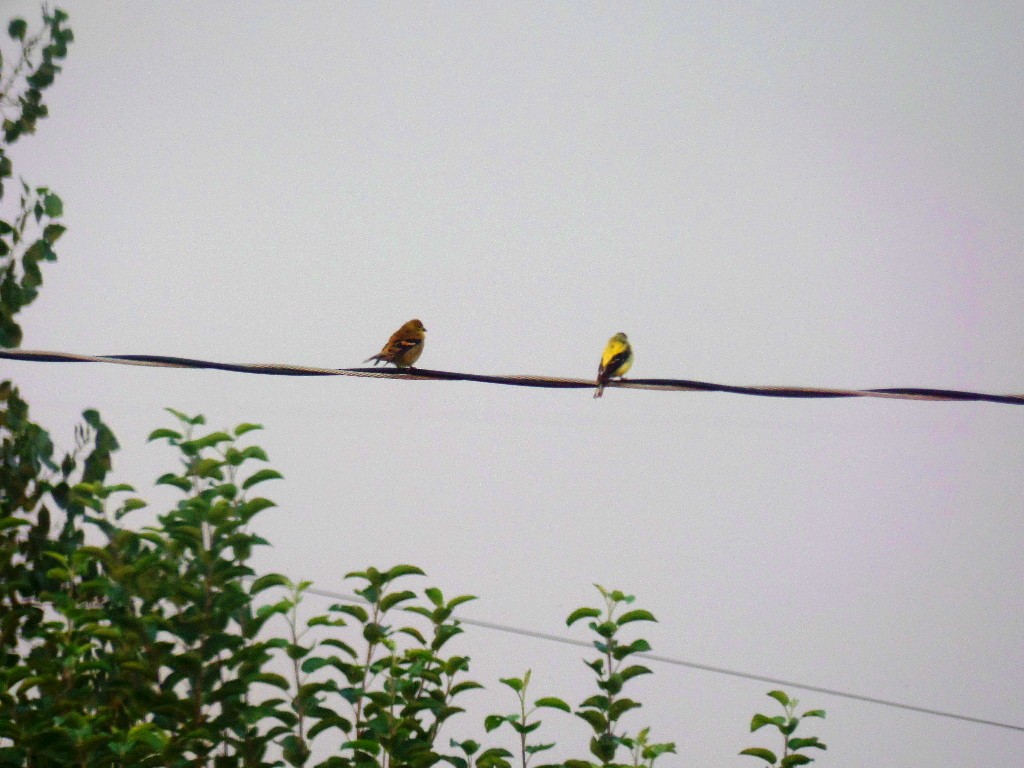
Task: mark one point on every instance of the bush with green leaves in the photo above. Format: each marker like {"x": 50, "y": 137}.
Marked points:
{"x": 156, "y": 646}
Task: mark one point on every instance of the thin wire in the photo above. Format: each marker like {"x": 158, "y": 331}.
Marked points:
{"x": 512, "y": 630}
{"x": 550, "y": 382}
{"x": 509, "y": 629}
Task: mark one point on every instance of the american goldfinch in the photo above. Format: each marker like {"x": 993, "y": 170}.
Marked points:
{"x": 404, "y": 347}
{"x": 616, "y": 361}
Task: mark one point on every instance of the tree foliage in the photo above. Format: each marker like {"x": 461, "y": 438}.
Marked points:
{"x": 28, "y": 233}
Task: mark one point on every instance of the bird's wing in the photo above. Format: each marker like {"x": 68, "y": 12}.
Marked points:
{"x": 609, "y": 365}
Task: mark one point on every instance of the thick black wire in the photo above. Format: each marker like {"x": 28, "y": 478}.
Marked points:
{"x": 914, "y": 393}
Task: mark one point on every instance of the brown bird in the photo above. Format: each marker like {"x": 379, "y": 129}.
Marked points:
{"x": 404, "y": 347}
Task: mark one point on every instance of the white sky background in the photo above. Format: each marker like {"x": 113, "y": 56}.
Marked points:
{"x": 762, "y": 193}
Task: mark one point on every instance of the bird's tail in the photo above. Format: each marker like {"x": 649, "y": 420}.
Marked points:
{"x": 377, "y": 359}
{"x": 600, "y": 390}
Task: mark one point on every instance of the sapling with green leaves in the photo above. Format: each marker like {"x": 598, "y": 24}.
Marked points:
{"x": 400, "y": 686}
{"x": 604, "y": 710}
{"x": 213, "y": 651}
{"x": 292, "y": 731}
{"x": 521, "y": 721}
{"x": 643, "y": 752}
{"x": 786, "y": 725}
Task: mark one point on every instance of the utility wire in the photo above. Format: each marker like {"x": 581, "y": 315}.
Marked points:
{"x": 509, "y": 629}
{"x": 551, "y": 382}
{"x": 519, "y": 631}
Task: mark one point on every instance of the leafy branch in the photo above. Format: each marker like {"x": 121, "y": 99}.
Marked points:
{"x": 786, "y": 725}
{"x": 521, "y": 721}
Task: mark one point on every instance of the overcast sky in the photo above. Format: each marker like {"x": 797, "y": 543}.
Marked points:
{"x": 757, "y": 193}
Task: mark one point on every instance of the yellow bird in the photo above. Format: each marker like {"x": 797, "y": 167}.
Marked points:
{"x": 404, "y": 347}
{"x": 615, "y": 362}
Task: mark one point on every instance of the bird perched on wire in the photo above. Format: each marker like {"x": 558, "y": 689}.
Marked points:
{"x": 615, "y": 361}
{"x": 404, "y": 347}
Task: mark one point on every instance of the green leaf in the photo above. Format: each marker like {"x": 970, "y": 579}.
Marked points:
{"x": 210, "y": 440}
{"x": 620, "y": 706}
{"x": 158, "y": 434}
{"x": 247, "y": 510}
{"x": 596, "y": 719}
{"x": 259, "y": 477}
{"x": 265, "y": 582}
{"x": 314, "y": 663}
{"x": 192, "y": 420}
{"x": 582, "y": 613}
{"x": 603, "y": 747}
{"x": 468, "y": 746}
{"x": 52, "y": 233}
{"x": 356, "y": 611}
{"x": 637, "y": 615}
{"x": 760, "y": 721}
{"x": 795, "y": 760}
{"x": 465, "y": 685}
{"x": 10, "y": 333}
{"x": 637, "y": 646}
{"x": 389, "y": 601}
{"x": 278, "y": 681}
{"x": 413, "y": 633}
{"x": 634, "y": 671}
{"x": 329, "y": 721}
{"x": 535, "y": 748}
{"x": 550, "y": 702}
{"x": 656, "y": 750}
{"x": 40, "y": 250}
{"x": 254, "y": 452}
{"x": 365, "y": 745}
{"x": 457, "y": 601}
{"x": 512, "y": 682}
{"x": 403, "y": 570}
{"x": 178, "y": 482}
{"x": 207, "y": 468}
{"x": 765, "y": 754}
{"x": 814, "y": 713}
{"x": 811, "y": 741}
{"x": 494, "y": 721}
{"x": 241, "y": 429}
{"x": 493, "y": 758}
{"x": 17, "y": 29}
{"x": 130, "y": 505}
{"x": 294, "y": 750}
{"x": 53, "y": 205}
{"x": 780, "y": 697}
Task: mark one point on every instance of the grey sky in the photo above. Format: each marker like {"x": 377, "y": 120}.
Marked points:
{"x": 757, "y": 193}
